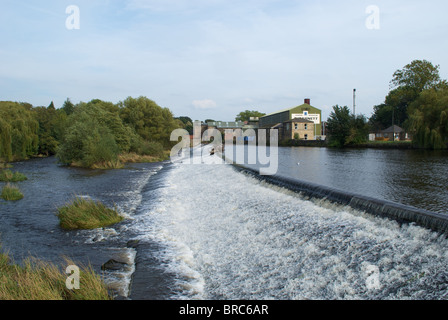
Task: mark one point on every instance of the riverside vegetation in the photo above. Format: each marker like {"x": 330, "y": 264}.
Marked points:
{"x": 417, "y": 102}
{"x": 96, "y": 134}
{"x": 38, "y": 280}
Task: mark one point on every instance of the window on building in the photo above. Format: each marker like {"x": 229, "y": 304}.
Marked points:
{"x": 306, "y": 126}
{"x": 305, "y": 113}
{"x": 306, "y": 137}
{"x": 296, "y": 126}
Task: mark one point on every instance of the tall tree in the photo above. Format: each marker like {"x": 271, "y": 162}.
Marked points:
{"x": 68, "y": 107}
{"x": 338, "y": 126}
{"x": 149, "y": 120}
{"x": 246, "y": 115}
{"x": 418, "y": 75}
{"x": 406, "y": 86}
{"x": 429, "y": 119}
{"x": 346, "y": 129}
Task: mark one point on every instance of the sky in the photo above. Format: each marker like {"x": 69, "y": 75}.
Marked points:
{"x": 212, "y": 59}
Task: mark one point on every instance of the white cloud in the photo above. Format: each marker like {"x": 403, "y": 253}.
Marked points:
{"x": 204, "y": 104}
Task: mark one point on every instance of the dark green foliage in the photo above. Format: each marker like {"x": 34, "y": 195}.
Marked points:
{"x": 338, "y": 126}
{"x": 407, "y": 85}
{"x": 418, "y": 75}
{"x": 429, "y": 119}
{"x": 345, "y": 129}
{"x": 87, "y": 133}
{"x": 246, "y": 115}
{"x": 68, "y": 107}
{"x": 418, "y": 103}
{"x": 18, "y": 131}
{"x": 87, "y": 139}
{"x": 51, "y": 128}
{"x": 150, "y": 121}
{"x": 186, "y": 123}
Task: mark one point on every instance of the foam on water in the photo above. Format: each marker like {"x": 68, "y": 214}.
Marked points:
{"x": 230, "y": 236}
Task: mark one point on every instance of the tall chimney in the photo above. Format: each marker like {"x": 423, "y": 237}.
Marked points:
{"x": 308, "y": 101}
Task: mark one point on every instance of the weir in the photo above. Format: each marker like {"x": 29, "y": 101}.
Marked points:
{"x": 382, "y": 208}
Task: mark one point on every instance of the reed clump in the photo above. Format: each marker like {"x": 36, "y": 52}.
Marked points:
{"x": 11, "y": 193}
{"x": 38, "y": 280}
{"x": 7, "y": 175}
{"x": 84, "y": 213}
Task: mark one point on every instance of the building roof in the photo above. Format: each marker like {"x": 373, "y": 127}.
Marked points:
{"x": 305, "y": 105}
{"x": 393, "y": 129}
{"x": 300, "y": 120}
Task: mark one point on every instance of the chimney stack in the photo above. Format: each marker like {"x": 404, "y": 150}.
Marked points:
{"x": 308, "y": 101}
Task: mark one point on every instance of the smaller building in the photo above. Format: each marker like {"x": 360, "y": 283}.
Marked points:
{"x": 298, "y": 129}
{"x": 393, "y": 133}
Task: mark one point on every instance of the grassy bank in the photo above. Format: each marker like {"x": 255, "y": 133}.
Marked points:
{"x": 370, "y": 144}
{"x": 37, "y": 280}
{"x": 87, "y": 214}
{"x": 122, "y": 159}
{"x": 386, "y": 145}
{"x": 11, "y": 193}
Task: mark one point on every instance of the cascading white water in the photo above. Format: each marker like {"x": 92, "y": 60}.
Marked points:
{"x": 230, "y": 236}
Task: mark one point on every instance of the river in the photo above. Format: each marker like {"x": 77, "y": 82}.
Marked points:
{"x": 208, "y": 231}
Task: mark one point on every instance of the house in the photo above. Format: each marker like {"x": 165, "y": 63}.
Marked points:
{"x": 393, "y": 133}
{"x": 306, "y": 118}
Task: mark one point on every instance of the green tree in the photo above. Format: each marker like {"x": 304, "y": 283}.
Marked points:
{"x": 19, "y": 131}
{"x": 338, "y": 126}
{"x": 149, "y": 120}
{"x": 429, "y": 119}
{"x": 418, "y": 75}
{"x": 68, "y": 107}
{"x": 346, "y": 129}
{"x": 246, "y": 115}
{"x": 186, "y": 123}
{"x": 406, "y": 85}
{"x": 87, "y": 140}
{"x": 51, "y": 128}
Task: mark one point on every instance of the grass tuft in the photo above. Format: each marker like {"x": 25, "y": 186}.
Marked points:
{"x": 7, "y": 175}
{"x": 87, "y": 214}
{"x": 11, "y": 193}
{"x": 37, "y": 280}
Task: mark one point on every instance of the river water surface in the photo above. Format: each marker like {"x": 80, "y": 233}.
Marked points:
{"x": 207, "y": 231}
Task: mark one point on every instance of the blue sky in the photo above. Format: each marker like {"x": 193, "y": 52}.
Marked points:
{"x": 215, "y": 58}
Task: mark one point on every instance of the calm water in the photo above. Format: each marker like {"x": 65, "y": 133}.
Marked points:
{"x": 206, "y": 231}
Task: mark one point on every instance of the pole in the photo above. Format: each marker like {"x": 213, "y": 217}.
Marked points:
{"x": 354, "y": 102}
{"x": 393, "y": 124}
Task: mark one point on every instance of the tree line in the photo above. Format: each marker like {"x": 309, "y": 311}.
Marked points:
{"x": 85, "y": 134}
{"x": 417, "y": 102}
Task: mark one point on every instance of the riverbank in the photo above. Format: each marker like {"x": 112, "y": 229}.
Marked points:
{"x": 401, "y": 145}
{"x": 31, "y": 227}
